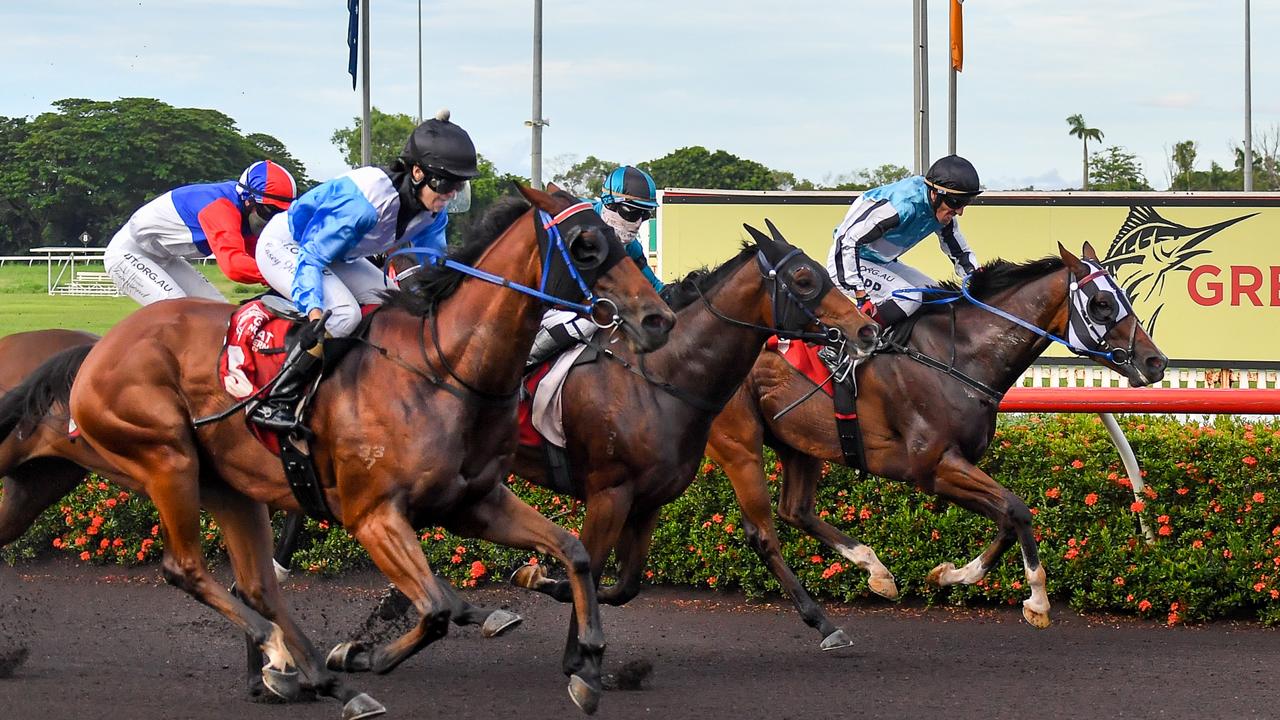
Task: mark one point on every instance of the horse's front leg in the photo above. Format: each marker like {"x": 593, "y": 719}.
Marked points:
{"x": 632, "y": 551}
{"x": 960, "y": 482}
{"x": 800, "y": 476}
{"x": 742, "y": 463}
{"x": 607, "y": 513}
{"x": 503, "y": 518}
{"x": 393, "y": 546}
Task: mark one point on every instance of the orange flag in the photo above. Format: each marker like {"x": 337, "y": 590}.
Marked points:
{"x": 957, "y": 36}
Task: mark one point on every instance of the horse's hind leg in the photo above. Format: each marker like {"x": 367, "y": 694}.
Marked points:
{"x": 246, "y": 529}
{"x": 503, "y": 518}
{"x": 960, "y": 482}
{"x": 29, "y": 489}
{"x": 742, "y": 463}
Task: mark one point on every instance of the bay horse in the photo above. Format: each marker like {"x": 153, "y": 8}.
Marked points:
{"x": 635, "y": 428}
{"x": 415, "y": 426}
{"x": 927, "y": 426}
{"x": 39, "y": 463}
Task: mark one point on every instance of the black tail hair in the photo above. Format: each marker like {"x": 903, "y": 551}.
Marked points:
{"x": 23, "y": 407}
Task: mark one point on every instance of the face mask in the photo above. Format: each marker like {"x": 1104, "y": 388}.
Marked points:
{"x": 627, "y": 230}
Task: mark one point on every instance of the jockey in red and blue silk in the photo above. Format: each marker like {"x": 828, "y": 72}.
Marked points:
{"x": 148, "y": 257}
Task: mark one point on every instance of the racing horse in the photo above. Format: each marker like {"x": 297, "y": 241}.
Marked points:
{"x": 927, "y": 415}
{"x": 39, "y": 462}
{"x": 407, "y": 431}
{"x": 635, "y": 429}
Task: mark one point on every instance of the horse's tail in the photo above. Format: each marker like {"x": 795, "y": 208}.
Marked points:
{"x": 23, "y": 407}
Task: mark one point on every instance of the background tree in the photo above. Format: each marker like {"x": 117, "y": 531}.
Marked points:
{"x": 388, "y": 133}
{"x": 1115, "y": 168}
{"x": 697, "y": 167}
{"x": 585, "y": 179}
{"x": 1085, "y": 133}
{"x": 486, "y": 187}
{"x": 1182, "y": 160}
{"x": 89, "y": 164}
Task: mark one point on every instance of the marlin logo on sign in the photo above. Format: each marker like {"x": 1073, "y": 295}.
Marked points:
{"x": 1147, "y": 248}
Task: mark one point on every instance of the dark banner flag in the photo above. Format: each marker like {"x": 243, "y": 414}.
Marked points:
{"x": 353, "y": 37}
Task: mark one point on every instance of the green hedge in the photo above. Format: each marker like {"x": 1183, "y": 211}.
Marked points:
{"x": 1211, "y": 499}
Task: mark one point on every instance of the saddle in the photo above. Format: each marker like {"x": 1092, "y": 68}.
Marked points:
{"x": 259, "y": 335}
{"x": 539, "y": 413}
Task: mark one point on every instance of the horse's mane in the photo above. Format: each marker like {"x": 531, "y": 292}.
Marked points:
{"x": 999, "y": 275}
{"x": 433, "y": 284}
{"x": 681, "y": 294}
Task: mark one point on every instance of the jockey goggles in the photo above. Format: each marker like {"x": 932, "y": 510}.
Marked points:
{"x": 443, "y": 185}
{"x": 632, "y": 213}
{"x": 955, "y": 202}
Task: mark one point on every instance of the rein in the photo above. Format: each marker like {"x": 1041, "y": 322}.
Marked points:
{"x": 697, "y": 403}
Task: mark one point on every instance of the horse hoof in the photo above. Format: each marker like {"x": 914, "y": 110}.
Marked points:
{"x": 348, "y": 657}
{"x": 284, "y": 683}
{"x": 884, "y": 587}
{"x": 836, "y": 640}
{"x": 1038, "y": 620}
{"x": 935, "y": 575}
{"x": 362, "y": 706}
{"x": 528, "y": 576}
{"x": 498, "y": 622}
{"x": 586, "y": 697}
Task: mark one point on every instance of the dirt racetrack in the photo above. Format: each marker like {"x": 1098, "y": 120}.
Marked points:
{"x": 112, "y": 643}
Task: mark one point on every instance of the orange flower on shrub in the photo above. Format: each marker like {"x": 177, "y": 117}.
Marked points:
{"x": 1250, "y": 460}
{"x": 1144, "y": 606}
{"x": 1137, "y": 506}
{"x": 1091, "y": 499}
{"x": 1165, "y": 530}
{"x": 1052, "y": 493}
{"x": 478, "y": 570}
{"x": 1259, "y": 497}
{"x": 84, "y": 555}
{"x": 1077, "y": 464}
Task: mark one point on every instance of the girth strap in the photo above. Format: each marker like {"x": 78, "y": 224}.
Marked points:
{"x": 847, "y": 427}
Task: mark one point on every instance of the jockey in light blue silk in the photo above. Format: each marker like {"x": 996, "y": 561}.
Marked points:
{"x": 885, "y": 222}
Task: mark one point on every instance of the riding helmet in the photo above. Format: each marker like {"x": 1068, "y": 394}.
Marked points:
{"x": 631, "y": 186}
{"x": 266, "y": 183}
{"x": 442, "y": 147}
{"x": 953, "y": 175}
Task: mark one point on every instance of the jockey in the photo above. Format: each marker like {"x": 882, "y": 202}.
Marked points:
{"x": 147, "y": 258}
{"x": 885, "y": 222}
{"x": 629, "y": 197}
{"x": 316, "y": 254}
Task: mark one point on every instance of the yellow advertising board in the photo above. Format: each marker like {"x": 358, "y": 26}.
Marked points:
{"x": 1202, "y": 269}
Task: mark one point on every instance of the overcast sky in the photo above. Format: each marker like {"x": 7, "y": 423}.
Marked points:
{"x": 815, "y": 87}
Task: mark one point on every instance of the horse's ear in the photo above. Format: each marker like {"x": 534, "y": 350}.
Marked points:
{"x": 1088, "y": 251}
{"x": 539, "y": 199}
{"x": 552, "y": 188}
{"x": 759, "y": 237}
{"x": 1067, "y": 257}
{"x": 777, "y": 236}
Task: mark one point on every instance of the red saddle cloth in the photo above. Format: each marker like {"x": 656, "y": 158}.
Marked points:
{"x": 252, "y": 356}
{"x": 529, "y": 435}
{"x": 803, "y": 357}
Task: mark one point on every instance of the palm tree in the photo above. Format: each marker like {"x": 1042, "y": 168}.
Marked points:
{"x": 1078, "y": 129}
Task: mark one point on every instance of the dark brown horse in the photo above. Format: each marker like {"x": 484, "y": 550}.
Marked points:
{"x": 414, "y": 427}
{"x": 636, "y": 428}
{"x": 923, "y": 425}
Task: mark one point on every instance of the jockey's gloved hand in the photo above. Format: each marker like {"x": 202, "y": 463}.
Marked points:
{"x": 313, "y": 332}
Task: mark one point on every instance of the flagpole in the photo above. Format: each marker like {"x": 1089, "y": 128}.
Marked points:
{"x": 535, "y": 155}
{"x": 419, "y": 60}
{"x": 1248, "y": 108}
{"x": 951, "y": 82}
{"x": 920, "y": 67}
{"x": 366, "y": 133}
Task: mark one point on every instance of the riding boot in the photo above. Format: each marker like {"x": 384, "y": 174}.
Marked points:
{"x": 551, "y": 341}
{"x": 277, "y": 411}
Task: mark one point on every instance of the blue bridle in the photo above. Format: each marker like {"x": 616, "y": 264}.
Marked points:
{"x": 555, "y": 242}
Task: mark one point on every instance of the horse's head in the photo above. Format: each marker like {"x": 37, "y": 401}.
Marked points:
{"x": 1101, "y": 319}
{"x": 801, "y": 293}
{"x": 592, "y": 256}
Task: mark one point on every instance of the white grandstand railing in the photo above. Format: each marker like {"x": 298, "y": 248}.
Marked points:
{"x": 1085, "y": 376}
